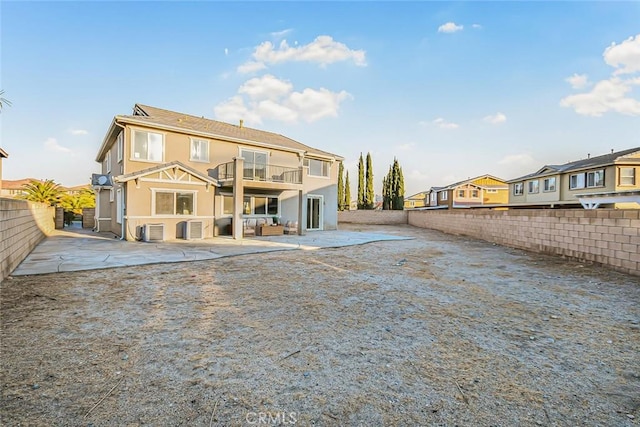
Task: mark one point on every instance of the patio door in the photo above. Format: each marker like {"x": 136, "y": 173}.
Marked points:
{"x": 314, "y": 212}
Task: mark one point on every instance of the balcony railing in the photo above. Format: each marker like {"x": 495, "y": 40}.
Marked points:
{"x": 259, "y": 172}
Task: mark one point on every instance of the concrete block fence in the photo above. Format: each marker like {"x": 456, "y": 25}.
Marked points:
{"x": 22, "y": 226}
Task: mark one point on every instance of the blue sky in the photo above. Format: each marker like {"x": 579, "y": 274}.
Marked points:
{"x": 452, "y": 89}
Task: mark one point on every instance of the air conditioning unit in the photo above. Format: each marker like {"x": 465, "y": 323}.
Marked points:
{"x": 193, "y": 230}
{"x": 153, "y": 233}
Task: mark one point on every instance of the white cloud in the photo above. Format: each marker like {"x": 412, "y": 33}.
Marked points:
{"x": 606, "y": 95}
{"x": 281, "y": 34}
{"x": 268, "y": 97}
{"x": 51, "y": 144}
{"x": 612, "y": 94}
{"x": 477, "y": 26}
{"x": 443, "y": 124}
{"x": 578, "y": 81}
{"x": 624, "y": 56}
{"x": 323, "y": 50}
{"x": 517, "y": 159}
{"x": 78, "y": 132}
{"x": 495, "y": 119}
{"x": 226, "y": 51}
{"x": 266, "y": 87}
{"x": 450, "y": 27}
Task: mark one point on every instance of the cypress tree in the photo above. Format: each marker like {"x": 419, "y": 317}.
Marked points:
{"x": 369, "y": 197}
{"x": 361, "y": 183}
{"x": 340, "y": 188}
{"x": 347, "y": 193}
{"x": 400, "y": 189}
{"x": 393, "y": 188}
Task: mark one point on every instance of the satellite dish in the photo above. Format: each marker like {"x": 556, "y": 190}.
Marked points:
{"x": 102, "y": 180}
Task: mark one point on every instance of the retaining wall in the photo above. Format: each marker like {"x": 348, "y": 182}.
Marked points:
{"x": 22, "y": 226}
{"x": 373, "y": 217}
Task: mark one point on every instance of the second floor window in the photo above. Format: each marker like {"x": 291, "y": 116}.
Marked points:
{"x": 147, "y": 146}
{"x": 595, "y": 178}
{"x": 461, "y": 193}
{"x": 317, "y": 167}
{"x": 550, "y": 184}
{"x": 474, "y": 194}
{"x": 199, "y": 150}
{"x": 255, "y": 164}
{"x": 534, "y": 186}
{"x": 518, "y": 189}
{"x": 627, "y": 176}
{"x": 576, "y": 181}
{"x": 443, "y": 195}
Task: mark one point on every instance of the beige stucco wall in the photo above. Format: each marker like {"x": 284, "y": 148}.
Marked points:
{"x": 22, "y": 226}
{"x": 570, "y": 195}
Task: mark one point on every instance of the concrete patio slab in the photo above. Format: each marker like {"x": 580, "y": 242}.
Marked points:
{"x": 75, "y": 249}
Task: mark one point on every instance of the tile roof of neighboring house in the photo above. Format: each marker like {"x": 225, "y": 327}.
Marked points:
{"x": 591, "y": 162}
{"x": 3, "y": 153}
{"x": 16, "y": 184}
{"x": 164, "y": 166}
{"x": 145, "y": 114}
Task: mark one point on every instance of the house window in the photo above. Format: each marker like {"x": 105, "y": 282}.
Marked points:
{"x": 120, "y": 145}
{"x": 199, "y": 150}
{"x": 461, "y": 193}
{"x": 433, "y": 197}
{"x": 474, "y": 194}
{"x": 595, "y": 178}
{"x": 443, "y": 195}
{"x": 576, "y": 181}
{"x": 518, "y": 189}
{"x": 119, "y": 206}
{"x": 255, "y": 164}
{"x": 534, "y": 186}
{"x": 147, "y": 146}
{"x": 111, "y": 195}
{"x": 317, "y": 167}
{"x": 260, "y": 205}
{"x": 227, "y": 205}
{"x": 107, "y": 161}
{"x": 174, "y": 203}
{"x": 549, "y": 184}
{"x": 627, "y": 176}
{"x": 492, "y": 190}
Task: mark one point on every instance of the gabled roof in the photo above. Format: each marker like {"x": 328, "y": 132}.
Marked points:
{"x": 417, "y": 194}
{"x": 146, "y": 115}
{"x": 3, "y": 153}
{"x": 470, "y": 180}
{"x": 165, "y": 166}
{"x": 588, "y": 163}
{"x": 17, "y": 184}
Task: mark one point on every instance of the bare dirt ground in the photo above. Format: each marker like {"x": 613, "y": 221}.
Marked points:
{"x": 439, "y": 330}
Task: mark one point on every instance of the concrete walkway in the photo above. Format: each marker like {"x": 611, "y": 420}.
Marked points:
{"x": 75, "y": 249}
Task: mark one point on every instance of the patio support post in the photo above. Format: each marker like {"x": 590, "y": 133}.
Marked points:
{"x": 238, "y": 197}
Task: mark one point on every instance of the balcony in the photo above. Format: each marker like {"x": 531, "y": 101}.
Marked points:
{"x": 259, "y": 173}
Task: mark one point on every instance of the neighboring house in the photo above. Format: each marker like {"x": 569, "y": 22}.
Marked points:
{"x": 484, "y": 190}
{"x": 418, "y": 200}
{"x": 14, "y": 188}
{"x": 560, "y": 185}
{"x": 432, "y": 197}
{"x": 77, "y": 189}
{"x": 164, "y": 172}
{"x": 3, "y": 155}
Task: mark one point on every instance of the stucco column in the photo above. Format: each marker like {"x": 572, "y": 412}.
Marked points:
{"x": 238, "y": 197}
{"x": 302, "y": 206}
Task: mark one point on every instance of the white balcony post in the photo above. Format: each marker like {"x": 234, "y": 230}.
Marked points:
{"x": 238, "y": 197}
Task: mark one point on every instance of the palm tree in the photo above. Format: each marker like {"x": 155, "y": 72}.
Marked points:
{"x": 3, "y": 101}
{"x": 42, "y": 191}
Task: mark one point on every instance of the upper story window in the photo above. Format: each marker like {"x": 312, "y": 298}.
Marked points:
{"x": 576, "y": 181}
{"x": 461, "y": 193}
{"x": 199, "y": 150}
{"x": 255, "y": 164}
{"x": 627, "y": 176}
{"x": 534, "y": 186}
{"x": 120, "y": 144}
{"x": 595, "y": 178}
{"x": 443, "y": 195}
{"x": 474, "y": 193}
{"x": 317, "y": 167}
{"x": 147, "y": 146}
{"x": 433, "y": 196}
{"x": 107, "y": 162}
{"x": 518, "y": 189}
{"x": 549, "y": 184}
{"x": 492, "y": 190}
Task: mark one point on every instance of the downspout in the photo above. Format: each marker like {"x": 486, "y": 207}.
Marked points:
{"x": 96, "y": 214}
{"x": 123, "y": 192}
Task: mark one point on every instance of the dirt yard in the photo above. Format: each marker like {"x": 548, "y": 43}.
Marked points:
{"x": 438, "y": 330}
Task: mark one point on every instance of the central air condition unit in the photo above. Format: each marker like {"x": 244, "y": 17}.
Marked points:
{"x": 193, "y": 230}
{"x": 153, "y": 233}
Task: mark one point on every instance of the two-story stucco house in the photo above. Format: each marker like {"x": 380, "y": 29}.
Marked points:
{"x": 418, "y": 200}
{"x": 168, "y": 172}
{"x": 561, "y": 185}
{"x": 473, "y": 192}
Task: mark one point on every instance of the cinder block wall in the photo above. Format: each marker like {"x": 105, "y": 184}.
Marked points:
{"x": 22, "y": 226}
{"x": 373, "y": 217}
{"x": 606, "y": 236}
{"x": 88, "y": 217}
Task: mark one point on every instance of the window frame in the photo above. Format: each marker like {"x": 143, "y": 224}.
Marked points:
{"x": 255, "y": 176}
{"x": 133, "y": 146}
{"x": 444, "y": 196}
{"x": 120, "y": 146}
{"x": 621, "y": 176}
{"x": 578, "y": 186}
{"x": 475, "y": 193}
{"x": 530, "y": 186}
{"x": 306, "y": 162}
{"x": 594, "y": 174}
{"x": 462, "y": 193}
{"x": 547, "y": 187}
{"x": 201, "y": 141}
{"x": 251, "y": 200}
{"x": 107, "y": 161}
{"x": 175, "y": 192}
{"x": 518, "y": 189}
